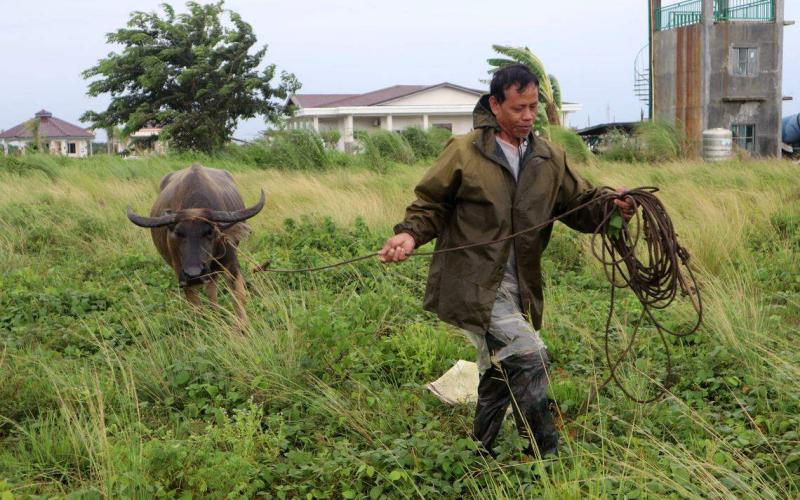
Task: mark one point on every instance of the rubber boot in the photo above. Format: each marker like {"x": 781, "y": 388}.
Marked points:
{"x": 520, "y": 380}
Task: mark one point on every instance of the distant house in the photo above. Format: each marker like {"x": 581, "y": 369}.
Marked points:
{"x": 395, "y": 108}
{"x": 146, "y": 140}
{"x": 55, "y": 136}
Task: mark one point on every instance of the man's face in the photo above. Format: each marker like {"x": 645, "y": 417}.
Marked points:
{"x": 517, "y": 112}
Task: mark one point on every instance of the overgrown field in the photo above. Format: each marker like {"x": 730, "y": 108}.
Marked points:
{"x": 111, "y": 387}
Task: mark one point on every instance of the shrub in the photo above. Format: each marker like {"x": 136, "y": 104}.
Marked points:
{"x": 426, "y": 144}
{"x": 651, "y": 142}
{"x": 285, "y": 149}
{"x": 382, "y": 147}
{"x": 572, "y": 143}
{"x": 28, "y": 164}
{"x": 619, "y": 146}
{"x": 660, "y": 141}
{"x": 330, "y": 138}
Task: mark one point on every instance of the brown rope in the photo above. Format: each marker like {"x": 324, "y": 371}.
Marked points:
{"x": 264, "y": 268}
{"x": 655, "y": 280}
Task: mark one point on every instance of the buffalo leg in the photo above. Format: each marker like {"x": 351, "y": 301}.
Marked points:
{"x": 192, "y": 296}
{"x": 236, "y": 283}
{"x": 211, "y": 291}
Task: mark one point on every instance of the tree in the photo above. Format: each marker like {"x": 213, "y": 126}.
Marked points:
{"x": 37, "y": 144}
{"x": 192, "y": 74}
{"x": 549, "y": 88}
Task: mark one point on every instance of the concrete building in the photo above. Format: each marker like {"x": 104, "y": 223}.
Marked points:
{"x": 55, "y": 136}
{"x": 146, "y": 141}
{"x": 719, "y": 64}
{"x": 395, "y": 108}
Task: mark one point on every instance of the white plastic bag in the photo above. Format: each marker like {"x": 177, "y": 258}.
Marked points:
{"x": 459, "y": 385}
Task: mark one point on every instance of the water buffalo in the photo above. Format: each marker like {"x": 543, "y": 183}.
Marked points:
{"x": 196, "y": 224}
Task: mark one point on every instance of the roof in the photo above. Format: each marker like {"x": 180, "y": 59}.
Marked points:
{"x": 49, "y": 126}
{"x": 374, "y": 98}
{"x": 604, "y": 128}
{"x": 146, "y": 132}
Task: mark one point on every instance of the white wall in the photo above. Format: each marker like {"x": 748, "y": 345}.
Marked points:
{"x": 330, "y": 124}
{"x": 367, "y": 122}
{"x": 402, "y": 122}
{"x": 442, "y": 96}
{"x": 461, "y": 124}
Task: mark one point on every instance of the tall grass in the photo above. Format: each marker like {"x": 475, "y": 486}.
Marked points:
{"x": 114, "y": 387}
{"x": 652, "y": 142}
{"x": 426, "y": 144}
{"x": 577, "y": 150}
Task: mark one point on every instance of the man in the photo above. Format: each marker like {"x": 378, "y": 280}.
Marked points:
{"x": 486, "y": 185}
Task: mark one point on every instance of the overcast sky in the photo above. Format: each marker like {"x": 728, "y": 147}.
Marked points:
{"x": 358, "y": 45}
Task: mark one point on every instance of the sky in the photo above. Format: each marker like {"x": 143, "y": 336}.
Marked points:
{"x": 353, "y": 46}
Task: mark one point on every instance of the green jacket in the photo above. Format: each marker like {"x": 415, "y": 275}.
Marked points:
{"x": 468, "y": 196}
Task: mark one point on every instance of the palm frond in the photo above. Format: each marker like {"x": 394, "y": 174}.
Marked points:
{"x": 556, "y": 90}
{"x": 525, "y": 56}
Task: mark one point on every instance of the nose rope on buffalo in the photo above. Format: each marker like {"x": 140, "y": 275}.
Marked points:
{"x": 655, "y": 280}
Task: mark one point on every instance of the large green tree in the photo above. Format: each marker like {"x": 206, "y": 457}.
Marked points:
{"x": 193, "y": 74}
{"x": 549, "y": 89}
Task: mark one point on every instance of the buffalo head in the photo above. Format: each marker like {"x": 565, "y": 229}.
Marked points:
{"x": 194, "y": 236}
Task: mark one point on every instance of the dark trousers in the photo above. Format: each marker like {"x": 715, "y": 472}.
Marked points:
{"x": 520, "y": 380}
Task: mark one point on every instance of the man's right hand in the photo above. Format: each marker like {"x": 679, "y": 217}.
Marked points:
{"x": 397, "y": 248}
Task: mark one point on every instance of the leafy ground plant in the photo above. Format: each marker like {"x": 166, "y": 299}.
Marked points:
{"x": 113, "y": 387}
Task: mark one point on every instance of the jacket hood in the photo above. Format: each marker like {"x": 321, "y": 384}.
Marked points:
{"x": 482, "y": 116}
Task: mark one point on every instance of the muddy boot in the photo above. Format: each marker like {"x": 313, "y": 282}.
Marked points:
{"x": 527, "y": 380}
{"x": 493, "y": 400}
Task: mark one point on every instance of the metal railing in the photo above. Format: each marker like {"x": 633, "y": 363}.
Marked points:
{"x": 678, "y": 15}
{"x": 690, "y": 12}
{"x": 744, "y": 10}
{"x": 641, "y": 75}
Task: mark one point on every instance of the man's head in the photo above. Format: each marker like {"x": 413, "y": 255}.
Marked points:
{"x": 514, "y": 99}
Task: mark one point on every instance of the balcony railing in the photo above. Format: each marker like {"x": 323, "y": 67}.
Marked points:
{"x": 690, "y": 12}
{"x": 679, "y": 14}
{"x": 744, "y": 10}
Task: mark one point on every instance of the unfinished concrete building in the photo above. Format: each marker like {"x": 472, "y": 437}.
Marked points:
{"x": 719, "y": 64}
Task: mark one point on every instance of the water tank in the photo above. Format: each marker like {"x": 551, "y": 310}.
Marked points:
{"x": 790, "y": 129}
{"x": 717, "y": 144}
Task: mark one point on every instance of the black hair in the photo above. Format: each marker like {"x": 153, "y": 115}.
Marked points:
{"x": 517, "y": 75}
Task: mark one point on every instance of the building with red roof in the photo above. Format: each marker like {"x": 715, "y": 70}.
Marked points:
{"x": 56, "y": 136}
{"x": 445, "y": 105}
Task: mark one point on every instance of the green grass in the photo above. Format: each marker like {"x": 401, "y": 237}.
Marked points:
{"x": 571, "y": 143}
{"x": 112, "y": 386}
{"x": 651, "y": 142}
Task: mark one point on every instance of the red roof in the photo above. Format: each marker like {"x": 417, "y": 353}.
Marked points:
{"x": 50, "y": 127}
{"x": 373, "y": 98}
{"x": 317, "y": 100}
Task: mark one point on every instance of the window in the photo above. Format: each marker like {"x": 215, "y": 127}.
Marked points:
{"x": 745, "y": 61}
{"x": 446, "y": 126}
{"x": 744, "y": 136}
{"x": 71, "y": 148}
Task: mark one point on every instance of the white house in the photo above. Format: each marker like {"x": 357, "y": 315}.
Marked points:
{"x": 56, "y": 136}
{"x": 395, "y": 108}
{"x": 146, "y": 140}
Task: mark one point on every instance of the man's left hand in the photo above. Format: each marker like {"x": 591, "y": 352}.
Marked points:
{"x": 626, "y": 207}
